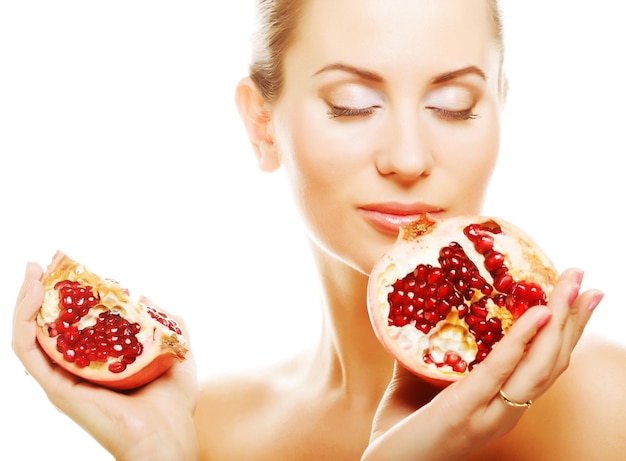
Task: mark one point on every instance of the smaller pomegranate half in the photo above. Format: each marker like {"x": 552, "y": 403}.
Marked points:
{"x": 448, "y": 290}
{"x": 92, "y": 328}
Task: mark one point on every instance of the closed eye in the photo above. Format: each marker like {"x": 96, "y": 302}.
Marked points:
{"x": 340, "y": 111}
{"x": 453, "y": 115}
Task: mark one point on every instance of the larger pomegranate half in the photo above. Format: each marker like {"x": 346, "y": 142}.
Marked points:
{"x": 448, "y": 290}
{"x": 92, "y": 328}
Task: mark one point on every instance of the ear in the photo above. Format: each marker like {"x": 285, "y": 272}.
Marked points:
{"x": 504, "y": 89}
{"x": 256, "y": 121}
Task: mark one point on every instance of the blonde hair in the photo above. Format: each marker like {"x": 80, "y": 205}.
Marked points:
{"x": 277, "y": 21}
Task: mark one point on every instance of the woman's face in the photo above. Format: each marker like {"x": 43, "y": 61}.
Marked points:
{"x": 389, "y": 109}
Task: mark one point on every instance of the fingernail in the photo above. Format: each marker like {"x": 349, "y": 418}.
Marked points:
{"x": 543, "y": 320}
{"x": 578, "y": 275}
{"x": 595, "y": 301}
{"x": 574, "y": 294}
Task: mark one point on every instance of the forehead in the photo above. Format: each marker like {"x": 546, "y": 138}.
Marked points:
{"x": 392, "y": 35}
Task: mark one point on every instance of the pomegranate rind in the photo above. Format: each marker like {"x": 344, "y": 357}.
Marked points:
{"x": 161, "y": 346}
{"x": 419, "y": 243}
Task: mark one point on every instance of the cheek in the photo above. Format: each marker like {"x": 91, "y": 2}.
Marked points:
{"x": 326, "y": 169}
{"x": 305, "y": 157}
{"x": 481, "y": 150}
{"x": 319, "y": 153}
{"x": 319, "y": 165}
{"x": 469, "y": 156}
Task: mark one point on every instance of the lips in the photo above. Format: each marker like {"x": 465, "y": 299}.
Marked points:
{"x": 388, "y": 217}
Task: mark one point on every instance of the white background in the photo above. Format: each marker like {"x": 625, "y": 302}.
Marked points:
{"x": 120, "y": 145}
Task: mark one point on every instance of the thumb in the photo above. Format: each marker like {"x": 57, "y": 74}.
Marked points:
{"x": 405, "y": 394}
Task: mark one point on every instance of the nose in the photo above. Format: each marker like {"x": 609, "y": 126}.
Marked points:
{"x": 406, "y": 153}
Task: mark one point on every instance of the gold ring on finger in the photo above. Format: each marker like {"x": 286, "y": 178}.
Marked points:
{"x": 513, "y": 403}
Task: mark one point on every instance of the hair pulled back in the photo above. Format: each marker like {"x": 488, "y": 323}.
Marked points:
{"x": 277, "y": 22}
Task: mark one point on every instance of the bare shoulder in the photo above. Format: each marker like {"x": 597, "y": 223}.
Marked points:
{"x": 590, "y": 401}
{"x": 232, "y": 405}
{"x": 234, "y": 395}
{"x": 596, "y": 375}
{"x": 583, "y": 415}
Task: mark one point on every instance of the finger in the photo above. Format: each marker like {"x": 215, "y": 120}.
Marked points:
{"x": 463, "y": 405}
{"x": 400, "y": 415}
{"x": 183, "y": 373}
{"x": 26, "y": 310}
{"x": 486, "y": 380}
{"x": 580, "y": 312}
{"x": 468, "y": 399}
{"x": 148, "y": 302}
{"x": 33, "y": 272}
{"x": 53, "y": 379}
{"x": 404, "y": 394}
{"x": 27, "y": 305}
{"x": 24, "y": 340}
{"x": 563, "y": 297}
{"x": 549, "y": 353}
{"x": 178, "y": 319}
{"x": 476, "y": 397}
{"x": 479, "y": 393}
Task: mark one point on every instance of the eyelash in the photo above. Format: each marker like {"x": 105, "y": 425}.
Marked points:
{"x": 453, "y": 115}
{"x": 339, "y": 111}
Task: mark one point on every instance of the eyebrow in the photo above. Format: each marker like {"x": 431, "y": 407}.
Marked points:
{"x": 374, "y": 77}
{"x": 362, "y": 73}
{"x": 459, "y": 73}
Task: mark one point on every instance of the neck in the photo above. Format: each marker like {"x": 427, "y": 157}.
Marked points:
{"x": 349, "y": 357}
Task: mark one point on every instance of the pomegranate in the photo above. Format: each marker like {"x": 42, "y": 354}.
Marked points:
{"x": 448, "y": 290}
{"x": 92, "y": 328}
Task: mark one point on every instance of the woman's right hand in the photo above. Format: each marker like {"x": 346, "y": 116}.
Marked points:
{"x": 154, "y": 422}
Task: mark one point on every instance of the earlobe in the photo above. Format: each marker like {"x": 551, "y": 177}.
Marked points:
{"x": 256, "y": 121}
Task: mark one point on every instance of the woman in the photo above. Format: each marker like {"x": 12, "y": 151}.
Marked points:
{"x": 394, "y": 109}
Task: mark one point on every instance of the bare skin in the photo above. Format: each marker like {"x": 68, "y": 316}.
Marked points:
{"x": 389, "y": 130}
{"x": 308, "y": 408}
{"x": 273, "y": 422}
{"x": 293, "y": 411}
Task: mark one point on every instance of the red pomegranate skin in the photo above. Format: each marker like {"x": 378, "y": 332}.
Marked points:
{"x": 92, "y": 328}
{"x": 448, "y": 290}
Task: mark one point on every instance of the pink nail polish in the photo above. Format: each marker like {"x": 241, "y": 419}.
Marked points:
{"x": 595, "y": 301}
{"x": 543, "y": 320}
{"x": 573, "y": 295}
{"x": 580, "y": 274}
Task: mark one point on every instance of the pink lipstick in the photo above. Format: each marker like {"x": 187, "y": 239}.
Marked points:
{"x": 389, "y": 216}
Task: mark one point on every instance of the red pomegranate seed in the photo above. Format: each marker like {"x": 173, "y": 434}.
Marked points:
{"x": 428, "y": 294}
{"x": 111, "y": 336}
{"x": 117, "y": 367}
{"x": 82, "y": 361}
{"x": 483, "y": 244}
{"x": 503, "y": 283}
{"x": 69, "y": 355}
{"x": 455, "y": 361}
{"x": 493, "y": 260}
{"x": 164, "y": 320}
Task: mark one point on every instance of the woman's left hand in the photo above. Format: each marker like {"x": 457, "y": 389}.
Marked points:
{"x": 471, "y": 413}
